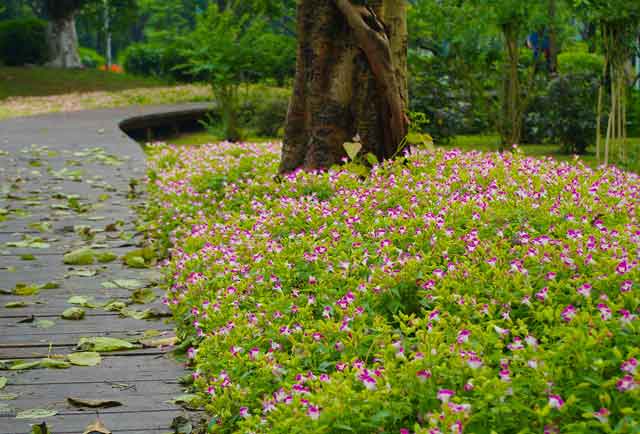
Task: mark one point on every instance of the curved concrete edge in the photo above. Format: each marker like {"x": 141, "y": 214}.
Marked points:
{"x": 162, "y": 124}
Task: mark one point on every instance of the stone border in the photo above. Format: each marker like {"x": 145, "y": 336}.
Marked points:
{"x": 158, "y": 126}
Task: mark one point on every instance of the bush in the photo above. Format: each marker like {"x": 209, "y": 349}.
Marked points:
{"x": 439, "y": 92}
{"x": 264, "y": 110}
{"x": 572, "y": 111}
{"x": 564, "y": 112}
{"x": 90, "y": 58}
{"x": 579, "y": 63}
{"x": 152, "y": 60}
{"x": 445, "y": 292}
{"x": 23, "y": 42}
{"x": 144, "y": 59}
{"x": 634, "y": 114}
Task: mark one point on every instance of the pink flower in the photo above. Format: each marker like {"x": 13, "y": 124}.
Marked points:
{"x": 605, "y": 312}
{"x": 244, "y": 412}
{"x": 623, "y": 268}
{"x": 423, "y": 375}
{"x": 556, "y": 401}
{"x": 602, "y": 415}
{"x": 630, "y": 366}
{"x": 626, "y": 383}
{"x": 445, "y": 394}
{"x": 474, "y": 362}
{"x": 568, "y": 313}
{"x": 313, "y": 411}
{"x": 585, "y": 290}
{"x": 626, "y": 286}
{"x": 463, "y": 336}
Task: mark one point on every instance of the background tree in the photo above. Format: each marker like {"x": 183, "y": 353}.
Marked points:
{"x": 351, "y": 79}
{"x": 61, "y": 32}
{"x": 618, "y": 22}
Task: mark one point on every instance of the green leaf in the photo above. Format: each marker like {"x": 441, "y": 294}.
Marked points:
{"x": 143, "y": 296}
{"x": 372, "y": 159}
{"x": 181, "y": 425}
{"x": 115, "y": 306}
{"x": 54, "y": 364}
{"x": 85, "y": 359}
{"x": 36, "y": 413}
{"x": 188, "y": 401}
{"x": 24, "y": 366}
{"x": 73, "y": 314}
{"x": 44, "y": 324}
{"x": 81, "y": 273}
{"x": 135, "y": 261}
{"x": 8, "y": 396}
{"x": 103, "y": 344}
{"x": 40, "y": 429}
{"x": 352, "y": 149}
{"x": 106, "y": 257}
{"x": 25, "y": 290}
{"x": 80, "y": 300}
{"x": 17, "y": 304}
{"x": 130, "y": 284}
{"x": 138, "y": 314}
{"x": 84, "y": 256}
{"x": 3, "y": 382}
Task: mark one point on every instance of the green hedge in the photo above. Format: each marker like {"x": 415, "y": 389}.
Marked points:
{"x": 580, "y": 63}
{"x": 90, "y": 58}
{"x": 23, "y": 42}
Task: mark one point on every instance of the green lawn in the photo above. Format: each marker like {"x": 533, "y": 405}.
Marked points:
{"x": 39, "y": 81}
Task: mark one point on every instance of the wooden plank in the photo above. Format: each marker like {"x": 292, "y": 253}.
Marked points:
{"x": 66, "y": 339}
{"x": 120, "y": 423}
{"x": 63, "y": 327}
{"x": 114, "y": 368}
{"x": 47, "y": 311}
{"x": 61, "y": 350}
{"x": 95, "y": 390}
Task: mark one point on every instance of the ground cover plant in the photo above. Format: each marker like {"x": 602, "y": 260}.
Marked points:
{"x": 444, "y": 292}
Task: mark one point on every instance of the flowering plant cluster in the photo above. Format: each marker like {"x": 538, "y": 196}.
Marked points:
{"x": 446, "y": 292}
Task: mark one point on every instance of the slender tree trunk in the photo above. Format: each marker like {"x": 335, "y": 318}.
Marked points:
{"x": 107, "y": 31}
{"x": 553, "y": 37}
{"x": 63, "y": 42}
{"x": 511, "y": 128}
{"x": 350, "y": 80}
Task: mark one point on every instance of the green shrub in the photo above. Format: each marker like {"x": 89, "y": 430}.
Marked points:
{"x": 90, "y": 58}
{"x": 634, "y": 114}
{"x": 580, "y": 63}
{"x": 153, "y": 60}
{"x": 572, "y": 111}
{"x": 23, "y": 42}
{"x": 144, "y": 59}
{"x": 564, "y": 112}
{"x": 264, "y": 111}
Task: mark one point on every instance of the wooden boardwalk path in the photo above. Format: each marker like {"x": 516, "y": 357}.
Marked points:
{"x": 65, "y": 184}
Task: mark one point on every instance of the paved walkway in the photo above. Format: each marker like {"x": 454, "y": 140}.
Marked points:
{"x": 65, "y": 184}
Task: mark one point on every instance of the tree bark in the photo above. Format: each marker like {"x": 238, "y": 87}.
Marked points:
{"x": 553, "y": 37}
{"x": 350, "y": 80}
{"x": 511, "y": 123}
{"x": 61, "y": 33}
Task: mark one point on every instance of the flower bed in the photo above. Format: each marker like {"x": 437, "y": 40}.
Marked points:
{"x": 446, "y": 292}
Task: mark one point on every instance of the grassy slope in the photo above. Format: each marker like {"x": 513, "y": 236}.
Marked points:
{"x": 25, "y": 82}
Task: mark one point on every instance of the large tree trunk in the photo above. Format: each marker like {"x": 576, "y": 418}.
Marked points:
{"x": 61, "y": 32}
{"x": 350, "y": 80}
{"x": 63, "y": 42}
